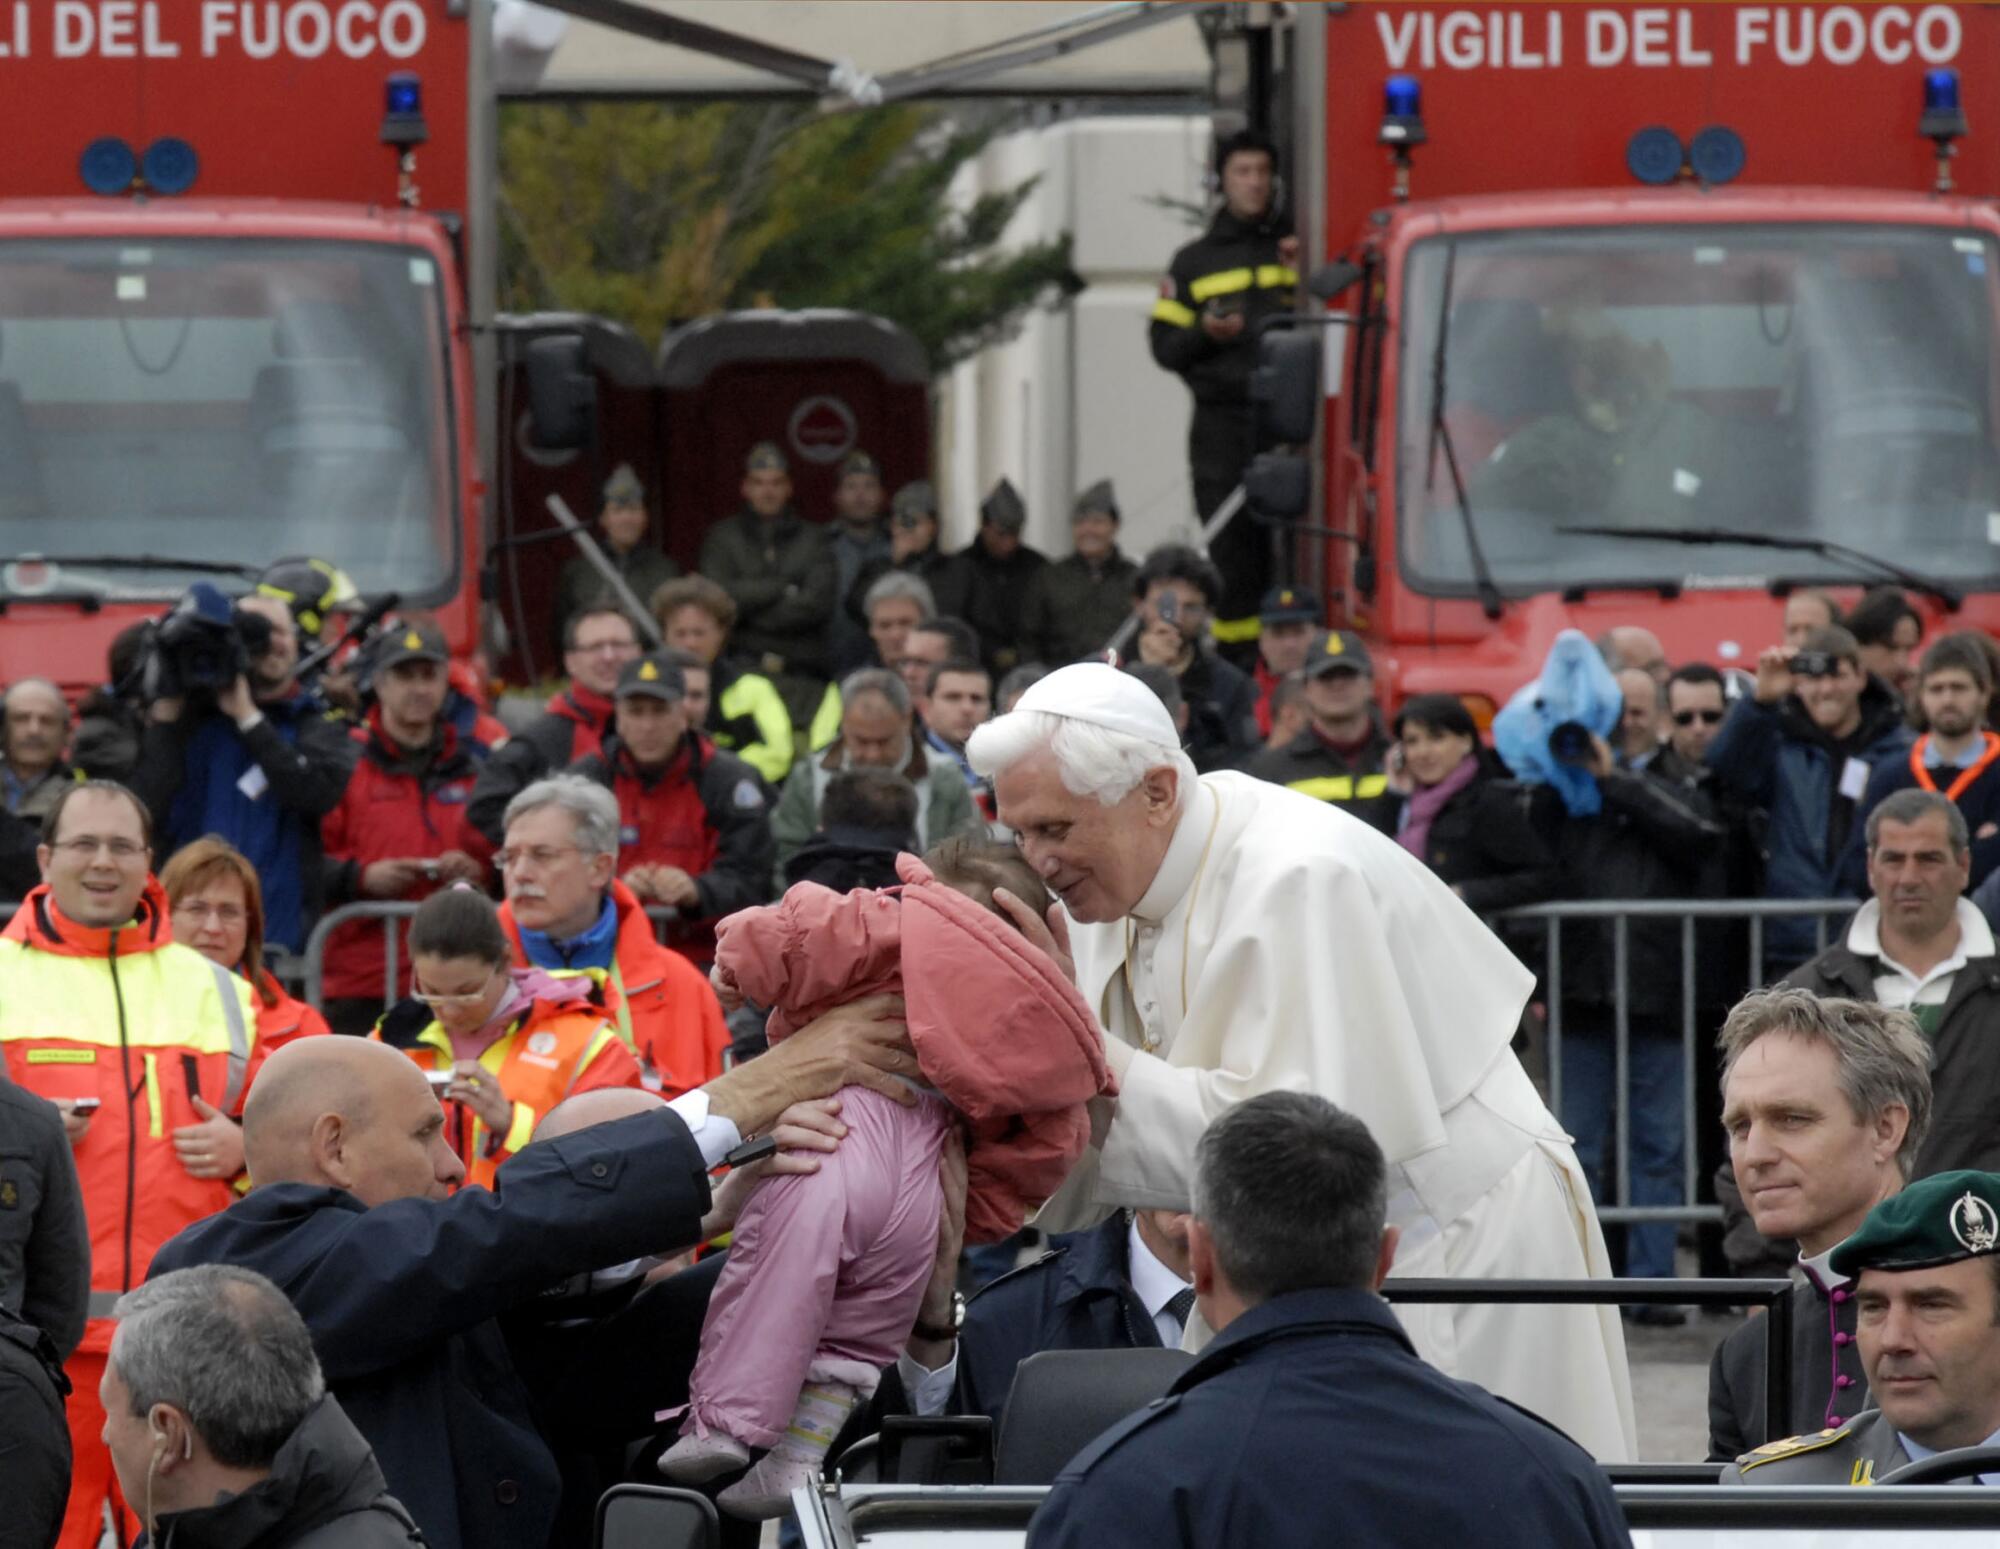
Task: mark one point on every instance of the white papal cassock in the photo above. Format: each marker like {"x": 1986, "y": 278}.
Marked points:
{"x": 1286, "y": 945}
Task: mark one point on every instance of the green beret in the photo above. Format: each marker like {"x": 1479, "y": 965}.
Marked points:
{"x": 1936, "y": 1220}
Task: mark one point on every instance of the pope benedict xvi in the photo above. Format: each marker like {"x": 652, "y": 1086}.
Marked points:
{"x": 1235, "y": 937}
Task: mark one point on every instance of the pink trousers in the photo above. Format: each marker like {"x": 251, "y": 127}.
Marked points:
{"x": 825, "y": 1272}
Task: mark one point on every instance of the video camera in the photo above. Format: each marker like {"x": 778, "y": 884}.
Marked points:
{"x": 204, "y": 644}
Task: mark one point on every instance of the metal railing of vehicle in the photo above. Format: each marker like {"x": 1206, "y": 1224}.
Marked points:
{"x": 310, "y": 964}
{"x": 1774, "y": 1296}
{"x": 1688, "y": 912}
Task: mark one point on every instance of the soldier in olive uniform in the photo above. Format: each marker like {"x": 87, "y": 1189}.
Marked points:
{"x": 1926, "y": 1265}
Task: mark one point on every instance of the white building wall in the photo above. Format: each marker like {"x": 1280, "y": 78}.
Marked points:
{"x": 1076, "y": 396}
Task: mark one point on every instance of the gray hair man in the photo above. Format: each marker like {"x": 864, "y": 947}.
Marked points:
{"x": 1239, "y": 938}
{"x": 1827, "y": 1104}
{"x": 1314, "y": 1382}
{"x": 877, "y": 731}
{"x": 32, "y": 734}
{"x": 895, "y": 604}
{"x": 221, "y": 1429}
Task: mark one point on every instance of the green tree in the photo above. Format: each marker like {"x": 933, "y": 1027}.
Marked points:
{"x": 653, "y": 215}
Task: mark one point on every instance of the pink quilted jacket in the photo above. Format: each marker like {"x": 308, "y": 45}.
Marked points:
{"x": 998, "y": 1030}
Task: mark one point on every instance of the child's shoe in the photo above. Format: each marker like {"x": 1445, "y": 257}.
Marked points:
{"x": 766, "y": 1491}
{"x": 698, "y": 1459}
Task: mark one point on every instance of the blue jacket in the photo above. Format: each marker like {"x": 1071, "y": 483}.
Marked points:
{"x": 191, "y": 773}
{"x": 401, "y": 1301}
{"x": 1775, "y": 758}
{"x": 1310, "y": 1421}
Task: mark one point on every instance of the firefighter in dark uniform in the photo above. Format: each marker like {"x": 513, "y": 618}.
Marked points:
{"x": 1927, "y": 1285}
{"x": 1342, "y": 755}
{"x": 1309, "y": 1419}
{"x": 1239, "y": 270}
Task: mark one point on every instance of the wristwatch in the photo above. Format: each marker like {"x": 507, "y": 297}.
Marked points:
{"x": 946, "y": 1331}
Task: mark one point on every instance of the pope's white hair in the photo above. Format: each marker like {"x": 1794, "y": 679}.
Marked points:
{"x": 1090, "y": 760}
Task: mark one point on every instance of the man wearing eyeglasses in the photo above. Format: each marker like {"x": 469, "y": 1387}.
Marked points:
{"x": 104, "y": 1014}
{"x": 597, "y": 643}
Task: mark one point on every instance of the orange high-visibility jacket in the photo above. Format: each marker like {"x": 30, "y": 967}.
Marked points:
{"x": 664, "y": 1008}
{"x": 143, "y": 1024}
{"x": 560, "y": 1045}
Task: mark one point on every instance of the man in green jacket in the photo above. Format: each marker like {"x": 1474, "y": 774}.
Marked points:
{"x": 877, "y": 730}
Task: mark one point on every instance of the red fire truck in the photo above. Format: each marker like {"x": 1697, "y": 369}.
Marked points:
{"x": 1651, "y": 314}
{"x": 239, "y": 281}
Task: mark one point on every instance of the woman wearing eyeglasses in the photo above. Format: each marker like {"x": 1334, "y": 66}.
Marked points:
{"x": 217, "y": 907}
{"x": 501, "y": 1045}
{"x": 1462, "y": 816}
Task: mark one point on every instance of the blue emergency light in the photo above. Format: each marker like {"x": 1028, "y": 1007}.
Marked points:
{"x": 108, "y": 166}
{"x": 1402, "y": 111}
{"x": 170, "y": 166}
{"x": 1655, "y": 156}
{"x": 1944, "y": 115}
{"x": 403, "y": 118}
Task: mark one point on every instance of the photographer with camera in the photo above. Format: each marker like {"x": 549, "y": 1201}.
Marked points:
{"x": 235, "y": 747}
{"x": 1175, "y": 594}
{"x": 1802, "y": 748}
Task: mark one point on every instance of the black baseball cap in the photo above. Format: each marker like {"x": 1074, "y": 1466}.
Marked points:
{"x": 1338, "y": 650}
{"x": 1289, "y": 605}
{"x": 652, "y": 677}
{"x": 411, "y": 642}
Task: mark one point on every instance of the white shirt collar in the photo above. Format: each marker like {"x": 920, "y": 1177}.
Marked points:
{"x": 1975, "y": 939}
{"x": 1182, "y": 862}
{"x": 1821, "y": 1270}
{"x": 1154, "y": 1283}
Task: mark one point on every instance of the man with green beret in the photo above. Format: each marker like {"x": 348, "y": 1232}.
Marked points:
{"x": 1926, "y": 1264}
{"x": 622, "y": 524}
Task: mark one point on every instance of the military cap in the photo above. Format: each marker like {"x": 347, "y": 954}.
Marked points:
{"x": 1289, "y": 605}
{"x": 410, "y": 642}
{"x": 1338, "y": 650}
{"x": 766, "y": 458}
{"x": 1098, "y": 497}
{"x": 915, "y": 498}
{"x": 858, "y": 461}
{"x": 623, "y": 487}
{"x": 1936, "y": 1220}
{"x": 653, "y": 677}
{"x": 1003, "y": 508}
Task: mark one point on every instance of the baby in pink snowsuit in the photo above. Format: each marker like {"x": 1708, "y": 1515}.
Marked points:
{"x": 826, "y": 1269}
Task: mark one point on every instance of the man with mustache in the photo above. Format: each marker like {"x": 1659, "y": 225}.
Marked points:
{"x": 1927, "y": 1283}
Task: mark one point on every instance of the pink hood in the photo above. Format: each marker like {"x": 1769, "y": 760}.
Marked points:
{"x": 998, "y": 1030}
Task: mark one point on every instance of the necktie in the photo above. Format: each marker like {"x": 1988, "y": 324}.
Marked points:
{"x": 1181, "y": 1305}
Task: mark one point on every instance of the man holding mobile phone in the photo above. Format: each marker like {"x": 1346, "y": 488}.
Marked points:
{"x": 103, "y": 1007}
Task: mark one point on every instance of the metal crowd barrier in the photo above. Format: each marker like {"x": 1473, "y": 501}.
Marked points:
{"x": 310, "y": 965}
{"x": 1689, "y": 912}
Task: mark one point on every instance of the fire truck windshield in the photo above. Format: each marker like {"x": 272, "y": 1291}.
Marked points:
{"x": 1816, "y": 381}
{"x": 225, "y": 402}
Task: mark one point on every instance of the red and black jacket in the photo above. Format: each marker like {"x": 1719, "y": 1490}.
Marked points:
{"x": 574, "y": 726}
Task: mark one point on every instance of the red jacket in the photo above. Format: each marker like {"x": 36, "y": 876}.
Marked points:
{"x": 998, "y": 1030}
{"x": 280, "y": 1018}
{"x": 661, "y": 1003}
{"x": 389, "y": 811}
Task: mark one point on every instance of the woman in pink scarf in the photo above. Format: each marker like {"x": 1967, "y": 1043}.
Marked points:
{"x": 826, "y": 1269}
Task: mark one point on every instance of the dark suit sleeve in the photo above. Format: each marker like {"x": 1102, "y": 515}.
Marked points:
{"x": 308, "y": 775}
{"x": 409, "y": 1274}
{"x": 58, "y": 1258}
{"x": 1726, "y": 1442}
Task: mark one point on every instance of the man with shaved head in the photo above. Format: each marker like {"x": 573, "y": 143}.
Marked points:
{"x": 401, "y": 1275}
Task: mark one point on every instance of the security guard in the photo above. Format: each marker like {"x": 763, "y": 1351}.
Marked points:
{"x": 1341, "y": 756}
{"x": 1204, "y": 329}
{"x": 1309, "y": 1419}
{"x": 1926, "y": 1285}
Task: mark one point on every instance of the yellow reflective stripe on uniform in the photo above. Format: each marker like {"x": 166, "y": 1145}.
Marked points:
{"x": 1370, "y": 786}
{"x": 1276, "y": 276}
{"x": 522, "y": 1130}
{"x": 156, "y": 1120}
{"x": 1167, "y": 310}
{"x": 826, "y": 720}
{"x": 1325, "y": 787}
{"x": 591, "y": 1050}
{"x": 62, "y": 1056}
{"x": 1235, "y": 631}
{"x": 624, "y": 1007}
{"x": 1223, "y": 282}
